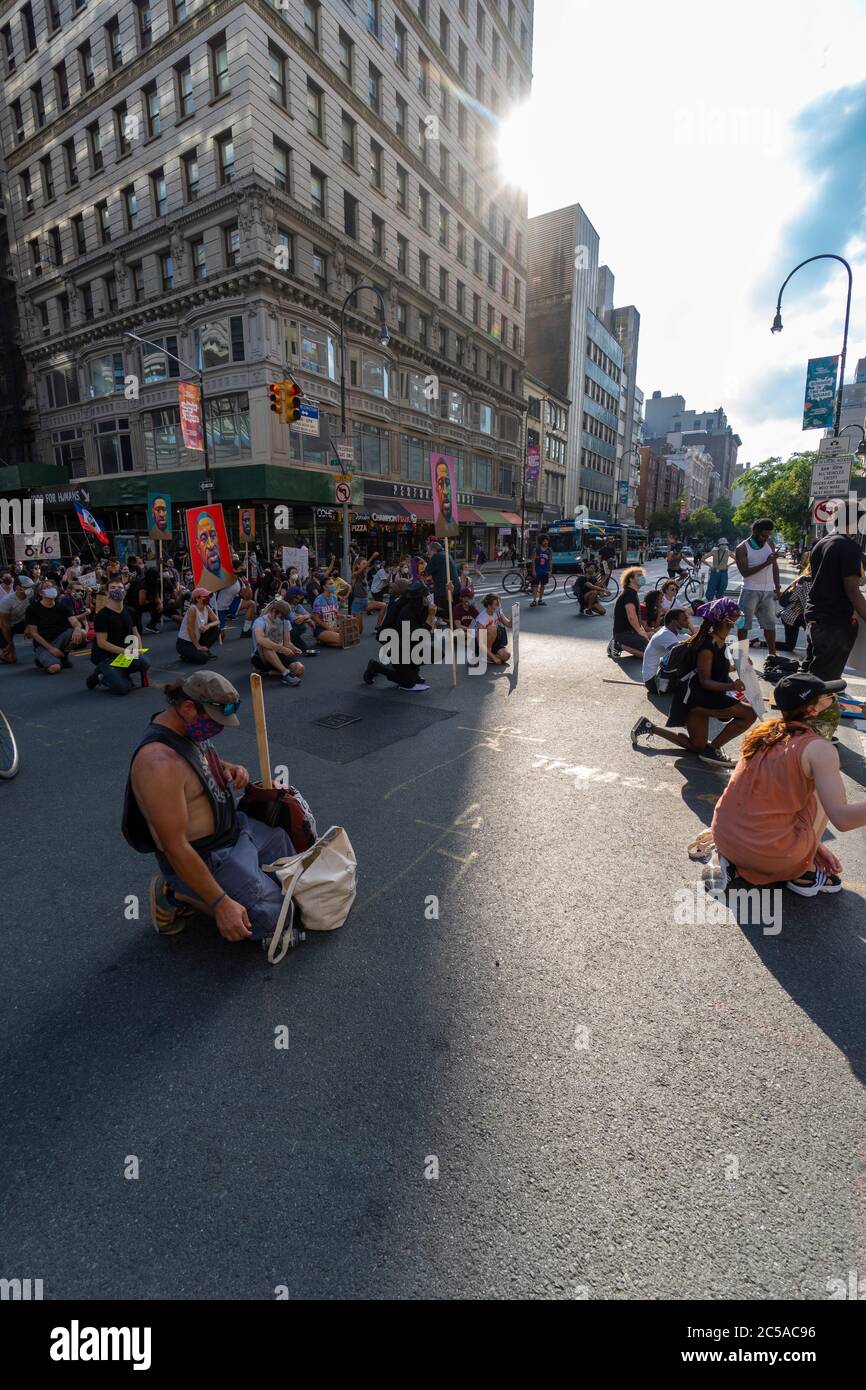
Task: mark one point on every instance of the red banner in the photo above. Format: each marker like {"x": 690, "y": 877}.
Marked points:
{"x": 189, "y": 397}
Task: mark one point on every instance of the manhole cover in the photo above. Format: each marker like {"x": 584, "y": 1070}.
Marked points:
{"x": 337, "y": 721}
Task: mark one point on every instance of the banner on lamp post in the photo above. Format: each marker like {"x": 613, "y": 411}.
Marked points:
{"x": 533, "y": 463}
{"x": 820, "y": 403}
{"x": 189, "y": 399}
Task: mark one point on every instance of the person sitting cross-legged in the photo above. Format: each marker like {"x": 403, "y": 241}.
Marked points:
{"x": 272, "y": 653}
{"x": 116, "y": 636}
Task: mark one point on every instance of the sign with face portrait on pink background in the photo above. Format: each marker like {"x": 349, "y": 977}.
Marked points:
{"x": 446, "y": 517}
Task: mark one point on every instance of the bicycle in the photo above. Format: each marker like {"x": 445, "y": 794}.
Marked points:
{"x": 8, "y": 748}
{"x": 607, "y": 585}
{"x": 522, "y": 581}
{"x": 690, "y": 585}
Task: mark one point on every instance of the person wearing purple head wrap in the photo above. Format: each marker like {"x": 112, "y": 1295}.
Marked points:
{"x": 708, "y": 690}
{"x": 717, "y": 610}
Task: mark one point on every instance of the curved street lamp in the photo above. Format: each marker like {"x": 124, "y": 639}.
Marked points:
{"x": 860, "y": 451}
{"x": 777, "y": 324}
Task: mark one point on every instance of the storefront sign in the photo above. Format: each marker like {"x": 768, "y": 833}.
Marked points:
{"x": 425, "y": 494}
{"x": 63, "y": 498}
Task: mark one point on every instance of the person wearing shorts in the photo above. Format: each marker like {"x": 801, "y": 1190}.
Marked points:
{"x": 542, "y": 564}
{"x": 756, "y": 561}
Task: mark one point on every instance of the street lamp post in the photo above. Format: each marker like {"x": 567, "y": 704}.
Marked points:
{"x": 384, "y": 339}
{"x": 208, "y": 476}
{"x": 777, "y": 325}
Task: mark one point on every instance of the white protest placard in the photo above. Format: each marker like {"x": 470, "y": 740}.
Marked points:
{"x": 294, "y": 556}
{"x": 37, "y": 545}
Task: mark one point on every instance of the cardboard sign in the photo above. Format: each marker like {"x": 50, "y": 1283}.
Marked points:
{"x": 445, "y": 515}
{"x": 209, "y": 549}
{"x": 159, "y": 516}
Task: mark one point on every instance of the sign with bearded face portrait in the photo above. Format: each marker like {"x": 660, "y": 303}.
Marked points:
{"x": 159, "y": 516}
{"x": 209, "y": 547}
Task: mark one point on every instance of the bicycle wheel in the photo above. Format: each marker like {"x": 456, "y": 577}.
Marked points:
{"x": 693, "y": 591}
{"x": 550, "y": 586}
{"x": 513, "y": 582}
{"x": 610, "y": 590}
{"x": 568, "y": 586}
{"x": 8, "y": 748}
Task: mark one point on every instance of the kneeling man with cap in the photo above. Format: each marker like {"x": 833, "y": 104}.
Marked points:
{"x": 180, "y": 806}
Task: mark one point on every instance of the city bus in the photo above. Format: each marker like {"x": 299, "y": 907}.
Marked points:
{"x": 571, "y": 542}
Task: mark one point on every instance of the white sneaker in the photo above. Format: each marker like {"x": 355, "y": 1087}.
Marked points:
{"x": 411, "y": 689}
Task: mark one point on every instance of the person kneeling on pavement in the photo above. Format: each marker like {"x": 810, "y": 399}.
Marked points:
{"x": 271, "y": 647}
{"x": 769, "y": 820}
{"x": 414, "y": 612}
{"x": 180, "y": 806}
{"x": 675, "y": 626}
{"x": 630, "y": 635}
{"x": 707, "y": 691}
{"x": 113, "y": 626}
{"x": 52, "y": 630}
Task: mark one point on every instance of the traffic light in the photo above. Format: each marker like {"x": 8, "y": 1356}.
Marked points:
{"x": 277, "y": 399}
{"x": 292, "y": 398}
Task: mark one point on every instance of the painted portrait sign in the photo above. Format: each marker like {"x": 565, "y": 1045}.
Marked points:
{"x": 159, "y": 516}
{"x": 445, "y": 514}
{"x": 209, "y": 547}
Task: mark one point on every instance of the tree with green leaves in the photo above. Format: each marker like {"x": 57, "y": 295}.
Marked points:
{"x": 703, "y": 522}
{"x": 778, "y": 489}
{"x": 665, "y": 522}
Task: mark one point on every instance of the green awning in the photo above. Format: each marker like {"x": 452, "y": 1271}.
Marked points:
{"x": 491, "y": 518}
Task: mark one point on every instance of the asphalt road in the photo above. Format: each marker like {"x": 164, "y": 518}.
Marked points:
{"x": 618, "y": 1105}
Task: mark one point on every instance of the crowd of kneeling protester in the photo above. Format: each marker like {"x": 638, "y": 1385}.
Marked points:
{"x": 786, "y": 786}
{"x": 287, "y": 615}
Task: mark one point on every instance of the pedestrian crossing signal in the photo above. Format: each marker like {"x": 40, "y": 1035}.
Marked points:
{"x": 293, "y": 396}
{"x": 276, "y": 395}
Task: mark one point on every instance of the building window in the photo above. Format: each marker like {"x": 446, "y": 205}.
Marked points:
{"x": 185, "y": 94}
{"x": 402, "y": 255}
{"x": 443, "y": 226}
{"x": 443, "y": 285}
{"x": 79, "y": 240}
{"x": 71, "y": 161}
{"x": 52, "y": 15}
{"x": 225, "y": 158}
{"x": 145, "y": 25}
{"x": 85, "y": 59}
{"x": 402, "y": 188}
{"x": 315, "y": 110}
{"x": 375, "y": 374}
{"x": 320, "y": 269}
{"x": 166, "y": 270}
{"x": 317, "y": 192}
{"x": 461, "y": 297}
{"x": 423, "y": 329}
{"x": 349, "y": 130}
{"x": 61, "y": 86}
{"x": 424, "y": 209}
{"x": 277, "y": 74}
{"x": 151, "y": 110}
{"x": 232, "y": 245}
{"x": 123, "y": 129}
{"x": 113, "y": 446}
{"x": 346, "y": 56}
{"x": 400, "y": 44}
{"x": 378, "y": 235}
{"x": 285, "y": 251}
{"x": 190, "y": 175}
{"x": 219, "y": 66}
{"x": 35, "y": 257}
{"x": 318, "y": 352}
{"x": 156, "y": 365}
{"x": 113, "y": 45}
{"x": 103, "y": 222}
{"x": 110, "y": 283}
{"x": 47, "y": 179}
{"x": 179, "y": 10}
{"x": 423, "y": 270}
{"x": 402, "y": 118}
{"x": 371, "y": 449}
{"x": 423, "y": 73}
{"x": 350, "y": 216}
{"x": 107, "y": 374}
{"x": 199, "y": 259}
{"x": 28, "y": 28}
{"x": 311, "y": 23}
{"x": 8, "y": 49}
{"x": 236, "y": 333}
{"x": 56, "y": 246}
{"x": 159, "y": 193}
{"x": 281, "y": 166}
{"x": 373, "y": 17}
{"x": 130, "y": 207}
{"x": 415, "y": 453}
{"x": 87, "y": 303}
{"x": 17, "y": 120}
{"x": 38, "y": 102}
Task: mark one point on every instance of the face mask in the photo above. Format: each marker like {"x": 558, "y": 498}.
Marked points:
{"x": 331, "y": 589}
{"x": 200, "y": 730}
{"x": 116, "y": 595}
{"x": 49, "y": 593}
{"x": 827, "y": 722}
{"x": 640, "y": 581}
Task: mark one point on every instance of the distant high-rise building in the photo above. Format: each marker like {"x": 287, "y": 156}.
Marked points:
{"x": 667, "y": 415}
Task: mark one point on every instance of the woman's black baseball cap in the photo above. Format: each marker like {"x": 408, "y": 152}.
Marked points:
{"x": 793, "y": 691}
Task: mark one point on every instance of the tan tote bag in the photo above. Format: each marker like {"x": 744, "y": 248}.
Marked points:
{"x": 321, "y": 882}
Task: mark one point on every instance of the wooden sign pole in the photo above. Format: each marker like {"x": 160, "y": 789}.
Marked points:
{"x": 450, "y": 614}
{"x": 261, "y": 730}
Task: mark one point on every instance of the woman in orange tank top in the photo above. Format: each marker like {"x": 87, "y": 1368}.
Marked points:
{"x": 787, "y": 785}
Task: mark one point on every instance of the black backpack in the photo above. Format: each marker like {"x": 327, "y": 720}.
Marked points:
{"x": 676, "y": 665}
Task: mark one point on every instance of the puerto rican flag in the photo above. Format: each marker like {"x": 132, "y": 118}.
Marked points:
{"x": 89, "y": 523}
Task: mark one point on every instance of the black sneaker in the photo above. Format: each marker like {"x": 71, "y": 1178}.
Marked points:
{"x": 369, "y": 676}
{"x": 716, "y": 757}
{"x": 155, "y": 630}
{"x": 643, "y": 726}
{"x": 93, "y": 680}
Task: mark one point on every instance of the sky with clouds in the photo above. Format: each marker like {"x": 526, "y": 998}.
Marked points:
{"x": 713, "y": 146}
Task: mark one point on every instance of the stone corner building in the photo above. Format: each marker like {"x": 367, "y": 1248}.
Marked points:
{"x": 216, "y": 178}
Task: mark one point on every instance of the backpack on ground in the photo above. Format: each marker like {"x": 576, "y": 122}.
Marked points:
{"x": 320, "y": 884}
{"x": 284, "y": 807}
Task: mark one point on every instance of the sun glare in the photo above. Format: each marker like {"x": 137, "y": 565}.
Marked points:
{"x": 513, "y": 147}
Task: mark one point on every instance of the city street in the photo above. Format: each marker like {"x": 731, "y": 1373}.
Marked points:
{"x": 513, "y": 1073}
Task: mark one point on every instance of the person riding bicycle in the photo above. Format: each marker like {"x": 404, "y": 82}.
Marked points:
{"x": 542, "y": 568}
{"x": 674, "y": 559}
